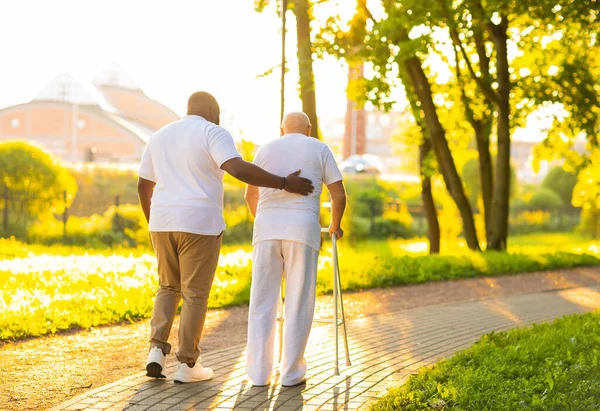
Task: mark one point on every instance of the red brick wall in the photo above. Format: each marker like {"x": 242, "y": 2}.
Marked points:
{"x": 49, "y": 125}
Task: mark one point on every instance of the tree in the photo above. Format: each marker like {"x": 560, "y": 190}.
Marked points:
{"x": 29, "y": 171}
{"x": 472, "y": 180}
{"x": 427, "y": 168}
{"x": 537, "y": 76}
{"x": 391, "y": 48}
{"x": 510, "y": 86}
{"x": 349, "y": 46}
{"x": 302, "y": 9}
{"x": 565, "y": 75}
{"x": 478, "y": 110}
{"x": 437, "y": 135}
{"x": 425, "y": 171}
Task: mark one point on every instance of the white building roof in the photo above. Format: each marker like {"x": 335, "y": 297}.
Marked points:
{"x": 114, "y": 76}
{"x": 66, "y": 89}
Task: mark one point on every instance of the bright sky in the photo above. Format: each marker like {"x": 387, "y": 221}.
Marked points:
{"x": 170, "y": 49}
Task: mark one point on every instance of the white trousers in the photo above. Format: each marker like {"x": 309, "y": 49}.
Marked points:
{"x": 271, "y": 259}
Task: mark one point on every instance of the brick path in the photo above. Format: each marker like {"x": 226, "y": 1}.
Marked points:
{"x": 385, "y": 350}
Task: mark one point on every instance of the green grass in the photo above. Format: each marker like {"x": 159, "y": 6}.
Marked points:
{"x": 45, "y": 289}
{"x": 546, "y": 367}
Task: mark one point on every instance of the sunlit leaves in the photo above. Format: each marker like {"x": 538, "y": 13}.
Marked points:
{"x": 29, "y": 171}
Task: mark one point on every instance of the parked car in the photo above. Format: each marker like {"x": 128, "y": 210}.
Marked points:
{"x": 362, "y": 163}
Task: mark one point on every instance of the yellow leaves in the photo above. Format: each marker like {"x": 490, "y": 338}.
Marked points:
{"x": 587, "y": 190}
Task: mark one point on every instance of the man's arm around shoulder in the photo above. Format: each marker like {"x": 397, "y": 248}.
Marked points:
{"x": 256, "y": 176}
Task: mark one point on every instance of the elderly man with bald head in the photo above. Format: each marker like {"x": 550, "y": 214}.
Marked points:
{"x": 181, "y": 193}
{"x": 287, "y": 239}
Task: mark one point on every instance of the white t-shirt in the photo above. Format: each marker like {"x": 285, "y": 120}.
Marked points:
{"x": 284, "y": 216}
{"x": 184, "y": 159}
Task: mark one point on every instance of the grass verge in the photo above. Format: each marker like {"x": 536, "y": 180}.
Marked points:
{"x": 545, "y": 367}
{"x": 48, "y": 289}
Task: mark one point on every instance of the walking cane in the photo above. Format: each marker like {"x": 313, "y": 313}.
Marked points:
{"x": 338, "y": 305}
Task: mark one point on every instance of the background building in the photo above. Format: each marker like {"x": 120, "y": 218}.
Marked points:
{"x": 108, "y": 120}
{"x": 376, "y": 133}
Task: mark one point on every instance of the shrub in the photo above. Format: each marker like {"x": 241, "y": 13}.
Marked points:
{"x": 367, "y": 214}
{"x": 561, "y": 182}
{"x": 544, "y": 198}
{"x": 389, "y": 228}
{"x": 123, "y": 226}
{"x": 540, "y": 221}
{"x": 27, "y": 170}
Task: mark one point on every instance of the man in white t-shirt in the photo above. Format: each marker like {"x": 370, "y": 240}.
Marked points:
{"x": 181, "y": 193}
{"x": 287, "y": 238}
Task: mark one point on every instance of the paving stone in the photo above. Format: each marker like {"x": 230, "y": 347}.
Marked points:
{"x": 385, "y": 350}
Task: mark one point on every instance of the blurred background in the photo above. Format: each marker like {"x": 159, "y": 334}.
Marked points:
{"x": 87, "y": 83}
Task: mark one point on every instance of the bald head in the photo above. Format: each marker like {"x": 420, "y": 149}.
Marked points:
{"x": 205, "y": 105}
{"x": 296, "y": 122}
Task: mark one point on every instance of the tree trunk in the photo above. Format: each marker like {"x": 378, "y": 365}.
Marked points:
{"x": 433, "y": 225}
{"x": 482, "y": 136}
{"x": 483, "y": 130}
{"x": 307, "y": 78}
{"x": 422, "y": 89}
{"x": 500, "y": 202}
{"x": 429, "y": 209}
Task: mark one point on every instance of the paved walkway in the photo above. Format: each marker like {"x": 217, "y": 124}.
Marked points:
{"x": 385, "y": 350}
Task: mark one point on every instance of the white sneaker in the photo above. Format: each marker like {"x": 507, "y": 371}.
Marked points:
{"x": 155, "y": 364}
{"x": 185, "y": 374}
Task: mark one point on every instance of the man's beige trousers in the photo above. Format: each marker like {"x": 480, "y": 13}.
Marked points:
{"x": 186, "y": 269}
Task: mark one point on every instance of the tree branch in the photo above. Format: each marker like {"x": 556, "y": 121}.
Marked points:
{"x": 483, "y": 86}
{"x": 465, "y": 99}
{"x": 484, "y": 59}
{"x": 487, "y": 90}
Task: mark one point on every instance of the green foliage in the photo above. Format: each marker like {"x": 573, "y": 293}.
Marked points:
{"x": 27, "y": 169}
{"x": 47, "y": 289}
{"x": 524, "y": 221}
{"x": 590, "y": 222}
{"x": 545, "y": 198}
{"x": 544, "y": 367}
{"x": 124, "y": 226}
{"x": 561, "y": 182}
{"x": 472, "y": 180}
{"x": 587, "y": 190}
{"x": 366, "y": 215}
